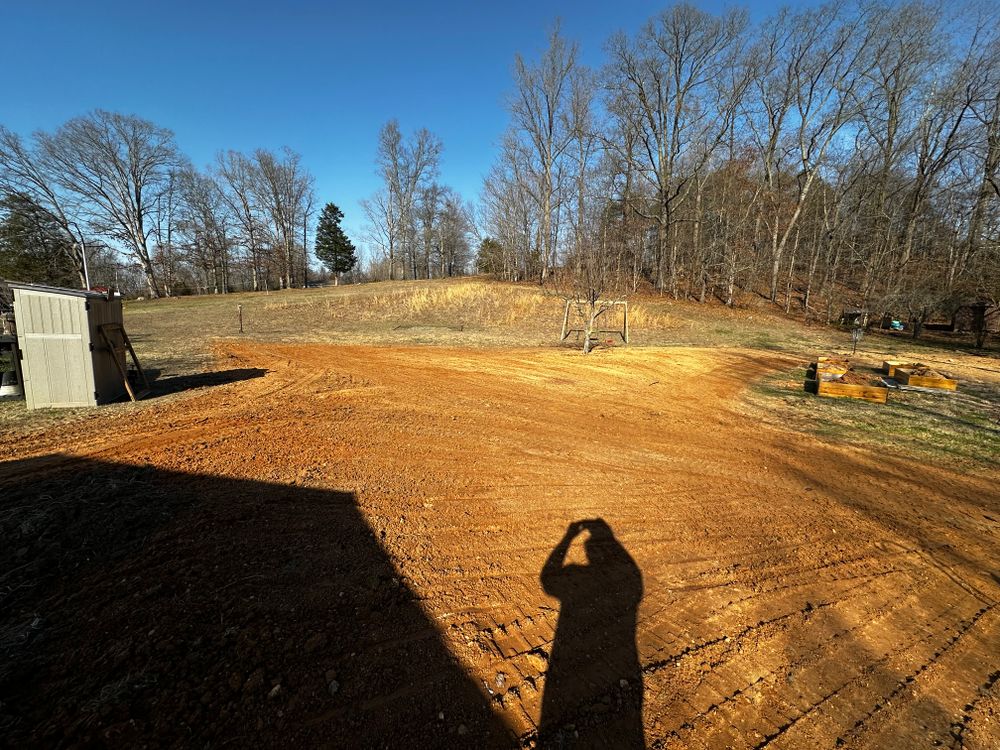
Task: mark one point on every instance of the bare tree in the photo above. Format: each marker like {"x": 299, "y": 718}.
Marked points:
{"x": 985, "y": 148}
{"x": 25, "y": 171}
{"x": 116, "y": 165}
{"x": 204, "y": 224}
{"x": 591, "y": 283}
{"x": 237, "y": 174}
{"x": 539, "y": 111}
{"x": 282, "y": 187}
{"x": 821, "y": 68}
{"x": 453, "y": 231}
{"x": 404, "y": 166}
{"x": 509, "y": 214}
{"x": 165, "y": 259}
{"x": 383, "y": 229}
{"x": 429, "y": 205}
{"x": 308, "y": 208}
{"x": 582, "y": 128}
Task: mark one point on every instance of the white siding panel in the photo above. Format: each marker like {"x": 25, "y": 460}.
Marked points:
{"x": 53, "y": 333}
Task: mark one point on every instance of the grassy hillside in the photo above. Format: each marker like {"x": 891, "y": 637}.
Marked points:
{"x": 455, "y": 312}
{"x": 174, "y": 339}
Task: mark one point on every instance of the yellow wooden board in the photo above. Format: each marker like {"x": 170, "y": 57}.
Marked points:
{"x": 922, "y": 381}
{"x": 889, "y": 366}
{"x": 836, "y": 389}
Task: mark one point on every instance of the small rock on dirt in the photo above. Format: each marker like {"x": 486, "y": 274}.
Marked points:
{"x": 317, "y": 641}
{"x": 537, "y": 661}
{"x": 254, "y": 682}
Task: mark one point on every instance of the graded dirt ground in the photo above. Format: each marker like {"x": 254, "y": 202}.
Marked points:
{"x": 344, "y": 546}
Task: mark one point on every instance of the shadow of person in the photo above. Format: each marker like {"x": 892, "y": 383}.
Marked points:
{"x": 593, "y": 686}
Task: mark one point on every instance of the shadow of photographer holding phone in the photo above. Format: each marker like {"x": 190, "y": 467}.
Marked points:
{"x": 593, "y": 685}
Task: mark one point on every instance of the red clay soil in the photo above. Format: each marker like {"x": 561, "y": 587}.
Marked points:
{"x": 365, "y": 547}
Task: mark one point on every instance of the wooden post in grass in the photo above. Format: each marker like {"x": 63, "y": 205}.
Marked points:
{"x": 240, "y": 309}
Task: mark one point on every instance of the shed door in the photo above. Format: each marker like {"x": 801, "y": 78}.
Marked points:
{"x": 53, "y": 334}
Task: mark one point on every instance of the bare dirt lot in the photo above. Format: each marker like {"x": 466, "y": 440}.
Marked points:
{"x": 383, "y": 547}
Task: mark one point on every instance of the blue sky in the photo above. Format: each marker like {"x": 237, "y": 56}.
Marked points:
{"x": 319, "y": 77}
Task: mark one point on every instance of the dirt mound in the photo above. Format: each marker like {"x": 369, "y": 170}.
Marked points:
{"x": 853, "y": 377}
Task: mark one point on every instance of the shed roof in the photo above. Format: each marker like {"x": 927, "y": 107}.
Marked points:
{"x": 57, "y": 290}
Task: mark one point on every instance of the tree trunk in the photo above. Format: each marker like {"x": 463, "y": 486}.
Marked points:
{"x": 986, "y": 187}
{"x": 147, "y": 267}
{"x": 674, "y": 274}
{"x": 791, "y": 274}
{"x": 979, "y": 327}
{"x": 591, "y": 317}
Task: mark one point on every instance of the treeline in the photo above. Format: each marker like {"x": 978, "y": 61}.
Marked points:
{"x": 844, "y": 155}
{"x": 106, "y": 183}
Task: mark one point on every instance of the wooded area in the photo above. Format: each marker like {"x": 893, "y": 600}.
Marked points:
{"x": 845, "y": 155}
{"x": 107, "y": 183}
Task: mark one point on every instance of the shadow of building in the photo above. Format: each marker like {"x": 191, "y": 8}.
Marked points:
{"x": 148, "y": 607}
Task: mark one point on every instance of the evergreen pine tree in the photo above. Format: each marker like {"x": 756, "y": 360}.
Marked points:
{"x": 333, "y": 247}
{"x": 33, "y": 248}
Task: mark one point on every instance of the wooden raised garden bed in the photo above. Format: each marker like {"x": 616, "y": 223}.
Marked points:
{"x": 924, "y": 377}
{"x": 889, "y": 366}
{"x": 846, "y": 384}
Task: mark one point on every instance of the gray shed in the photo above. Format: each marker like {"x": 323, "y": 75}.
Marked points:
{"x": 73, "y": 346}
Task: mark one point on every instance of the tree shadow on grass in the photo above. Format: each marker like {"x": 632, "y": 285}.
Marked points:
{"x": 141, "y": 606}
{"x": 593, "y": 685}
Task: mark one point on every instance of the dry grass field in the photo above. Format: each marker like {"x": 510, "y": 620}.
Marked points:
{"x": 400, "y": 514}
